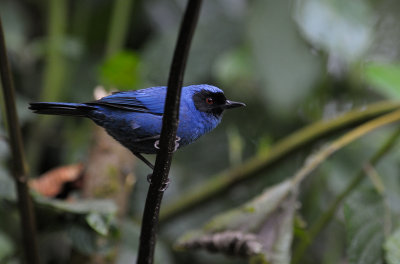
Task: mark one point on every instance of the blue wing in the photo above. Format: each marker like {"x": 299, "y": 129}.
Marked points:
{"x": 150, "y": 100}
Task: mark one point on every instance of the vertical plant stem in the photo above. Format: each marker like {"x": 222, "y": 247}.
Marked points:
{"x": 19, "y": 169}
{"x": 54, "y": 74}
{"x": 168, "y": 134}
{"x": 326, "y": 217}
{"x": 80, "y": 20}
{"x": 118, "y": 26}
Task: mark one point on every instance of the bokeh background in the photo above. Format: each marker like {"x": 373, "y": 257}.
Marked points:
{"x": 293, "y": 62}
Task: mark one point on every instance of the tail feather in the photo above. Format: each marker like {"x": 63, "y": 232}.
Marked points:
{"x": 67, "y": 109}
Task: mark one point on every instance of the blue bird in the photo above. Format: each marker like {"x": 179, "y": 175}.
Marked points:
{"x": 134, "y": 118}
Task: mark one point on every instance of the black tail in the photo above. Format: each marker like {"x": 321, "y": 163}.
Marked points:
{"x": 68, "y": 109}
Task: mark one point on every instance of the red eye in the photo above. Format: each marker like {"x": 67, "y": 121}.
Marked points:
{"x": 209, "y": 101}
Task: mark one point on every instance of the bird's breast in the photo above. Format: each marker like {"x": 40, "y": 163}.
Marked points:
{"x": 193, "y": 124}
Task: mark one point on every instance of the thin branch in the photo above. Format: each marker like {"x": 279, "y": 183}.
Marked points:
{"x": 168, "y": 134}
{"x": 313, "y": 162}
{"x": 325, "y": 218}
{"x": 252, "y": 167}
{"x": 19, "y": 169}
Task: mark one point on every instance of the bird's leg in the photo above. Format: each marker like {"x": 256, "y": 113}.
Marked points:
{"x": 165, "y": 185}
{"x": 156, "y": 145}
{"x": 148, "y": 163}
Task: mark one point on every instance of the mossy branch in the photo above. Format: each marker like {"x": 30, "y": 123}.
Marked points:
{"x": 315, "y": 160}
{"x": 54, "y": 74}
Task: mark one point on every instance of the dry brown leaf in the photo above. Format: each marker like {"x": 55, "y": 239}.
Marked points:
{"x": 51, "y": 183}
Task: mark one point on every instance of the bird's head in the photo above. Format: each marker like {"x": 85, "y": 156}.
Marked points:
{"x": 211, "y": 100}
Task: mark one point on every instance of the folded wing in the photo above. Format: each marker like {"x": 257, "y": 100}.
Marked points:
{"x": 150, "y": 100}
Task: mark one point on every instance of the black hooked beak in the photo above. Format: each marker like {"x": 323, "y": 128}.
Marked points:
{"x": 231, "y": 104}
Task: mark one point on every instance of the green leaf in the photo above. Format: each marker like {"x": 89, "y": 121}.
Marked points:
{"x": 98, "y": 214}
{"x": 392, "y": 248}
{"x": 99, "y": 223}
{"x": 384, "y": 78}
{"x": 105, "y": 206}
{"x": 364, "y": 225}
{"x": 121, "y": 71}
{"x": 251, "y": 214}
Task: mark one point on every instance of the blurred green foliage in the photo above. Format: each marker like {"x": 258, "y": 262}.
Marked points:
{"x": 121, "y": 71}
{"x": 293, "y": 62}
{"x": 342, "y": 28}
{"x": 384, "y": 77}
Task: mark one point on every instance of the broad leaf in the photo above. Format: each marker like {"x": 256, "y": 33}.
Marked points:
{"x": 364, "y": 224}
{"x": 79, "y": 207}
{"x": 384, "y": 78}
{"x": 98, "y": 214}
{"x": 99, "y": 223}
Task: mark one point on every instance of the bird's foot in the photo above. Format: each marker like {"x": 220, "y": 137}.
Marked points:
{"x": 148, "y": 163}
{"x": 177, "y": 139}
{"x": 163, "y": 187}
